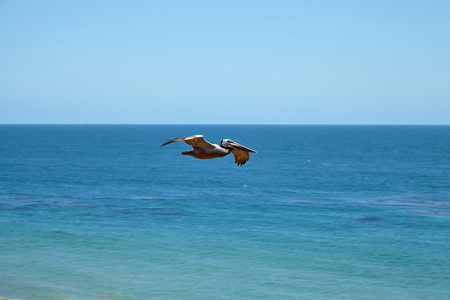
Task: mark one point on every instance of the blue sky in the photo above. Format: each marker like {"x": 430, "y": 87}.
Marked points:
{"x": 225, "y": 62}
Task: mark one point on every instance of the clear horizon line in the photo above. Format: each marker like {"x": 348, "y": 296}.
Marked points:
{"x": 236, "y": 124}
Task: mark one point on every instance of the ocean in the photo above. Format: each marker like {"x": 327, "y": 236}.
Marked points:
{"x": 92, "y": 212}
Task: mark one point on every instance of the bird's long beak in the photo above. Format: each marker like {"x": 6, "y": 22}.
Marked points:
{"x": 240, "y": 147}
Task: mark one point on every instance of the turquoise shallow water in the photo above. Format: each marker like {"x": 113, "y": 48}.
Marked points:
{"x": 320, "y": 212}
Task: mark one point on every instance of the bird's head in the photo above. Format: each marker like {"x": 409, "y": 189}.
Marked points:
{"x": 229, "y": 144}
{"x": 225, "y": 143}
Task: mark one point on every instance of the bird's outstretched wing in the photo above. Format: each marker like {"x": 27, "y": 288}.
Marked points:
{"x": 196, "y": 141}
{"x": 240, "y": 156}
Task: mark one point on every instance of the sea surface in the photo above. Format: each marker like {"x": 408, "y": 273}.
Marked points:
{"x": 92, "y": 212}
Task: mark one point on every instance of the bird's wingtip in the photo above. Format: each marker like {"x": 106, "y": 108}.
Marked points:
{"x": 168, "y": 142}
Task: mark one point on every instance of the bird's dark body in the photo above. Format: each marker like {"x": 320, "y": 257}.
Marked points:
{"x": 205, "y": 154}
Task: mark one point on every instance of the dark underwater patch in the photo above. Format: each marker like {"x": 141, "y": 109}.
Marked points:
{"x": 368, "y": 219}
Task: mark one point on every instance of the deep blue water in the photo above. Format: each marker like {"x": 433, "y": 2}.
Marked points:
{"x": 320, "y": 212}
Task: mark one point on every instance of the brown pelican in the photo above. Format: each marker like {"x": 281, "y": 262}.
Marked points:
{"x": 206, "y": 150}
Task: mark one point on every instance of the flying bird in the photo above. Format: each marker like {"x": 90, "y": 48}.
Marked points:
{"x": 205, "y": 150}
